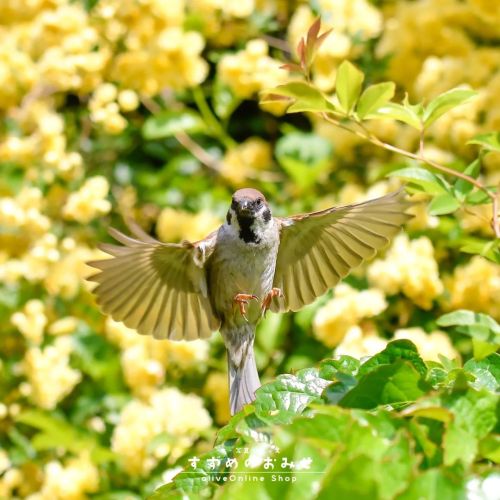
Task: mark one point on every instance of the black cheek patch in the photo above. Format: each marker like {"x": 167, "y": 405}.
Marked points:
{"x": 267, "y": 215}
{"x": 228, "y": 218}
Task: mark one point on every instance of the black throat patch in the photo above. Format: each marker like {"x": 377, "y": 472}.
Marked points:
{"x": 246, "y": 232}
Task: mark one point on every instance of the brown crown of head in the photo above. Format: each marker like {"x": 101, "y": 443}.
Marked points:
{"x": 248, "y": 194}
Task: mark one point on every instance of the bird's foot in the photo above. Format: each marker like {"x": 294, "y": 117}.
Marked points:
{"x": 266, "y": 303}
{"x": 242, "y": 299}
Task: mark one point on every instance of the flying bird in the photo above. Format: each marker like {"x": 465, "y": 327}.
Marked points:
{"x": 227, "y": 281}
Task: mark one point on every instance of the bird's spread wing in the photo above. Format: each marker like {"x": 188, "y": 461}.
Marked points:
{"x": 320, "y": 248}
{"x": 159, "y": 289}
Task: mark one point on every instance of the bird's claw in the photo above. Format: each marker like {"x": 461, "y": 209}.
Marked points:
{"x": 242, "y": 299}
{"x": 266, "y": 303}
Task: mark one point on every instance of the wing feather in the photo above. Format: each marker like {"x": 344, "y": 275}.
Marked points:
{"x": 319, "y": 249}
{"x": 156, "y": 288}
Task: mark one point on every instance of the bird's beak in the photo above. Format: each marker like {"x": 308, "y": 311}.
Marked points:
{"x": 245, "y": 207}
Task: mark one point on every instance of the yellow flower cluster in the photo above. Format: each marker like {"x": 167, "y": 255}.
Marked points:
{"x": 350, "y": 19}
{"x": 49, "y": 374}
{"x": 107, "y": 103}
{"x": 72, "y": 481}
{"x": 31, "y": 321}
{"x": 40, "y": 145}
{"x": 409, "y": 267}
{"x": 177, "y": 225}
{"x": 251, "y": 70}
{"x": 57, "y": 49}
{"x": 445, "y": 55}
{"x": 23, "y": 212}
{"x": 181, "y": 416}
{"x": 246, "y": 161}
{"x": 158, "y": 52}
{"x": 60, "y": 266}
{"x": 223, "y": 22}
{"x": 475, "y": 286}
{"x": 360, "y": 342}
{"x": 89, "y": 201}
{"x": 144, "y": 360}
{"x": 348, "y": 307}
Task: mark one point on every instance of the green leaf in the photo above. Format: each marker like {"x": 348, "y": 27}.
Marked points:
{"x": 348, "y": 85}
{"x": 374, "y": 97}
{"x": 444, "y": 102}
{"x": 288, "y": 395}
{"x": 398, "y": 112}
{"x": 435, "y": 484}
{"x": 442, "y": 204}
{"x": 489, "y": 141}
{"x": 489, "y": 448}
{"x": 169, "y": 123}
{"x": 475, "y": 416}
{"x": 394, "y": 351}
{"x": 304, "y": 156}
{"x": 224, "y": 100}
{"x": 336, "y": 391}
{"x": 462, "y": 187}
{"x": 329, "y": 368}
{"x": 387, "y": 384}
{"x": 483, "y": 329}
{"x": 305, "y": 97}
{"x": 425, "y": 180}
{"x": 57, "y": 433}
{"x": 486, "y": 371}
{"x": 369, "y": 466}
{"x": 479, "y": 197}
{"x": 463, "y": 317}
{"x": 486, "y": 248}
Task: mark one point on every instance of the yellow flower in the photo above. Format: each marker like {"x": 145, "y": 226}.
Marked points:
{"x": 89, "y": 201}
{"x": 244, "y": 161}
{"x": 49, "y": 374}
{"x": 251, "y": 70}
{"x": 429, "y": 345}
{"x": 170, "y": 411}
{"x": 63, "y": 326}
{"x": 71, "y": 481}
{"x": 32, "y": 321}
{"x": 144, "y": 359}
{"x": 345, "y": 310}
{"x": 128, "y": 100}
{"x": 410, "y": 268}
{"x": 475, "y": 286}
{"x": 360, "y": 342}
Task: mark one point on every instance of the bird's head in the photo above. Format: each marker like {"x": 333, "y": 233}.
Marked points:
{"x": 249, "y": 214}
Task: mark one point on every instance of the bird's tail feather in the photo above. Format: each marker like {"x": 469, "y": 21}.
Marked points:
{"x": 243, "y": 381}
{"x": 243, "y": 376}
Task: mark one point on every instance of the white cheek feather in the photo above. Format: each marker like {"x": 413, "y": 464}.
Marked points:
{"x": 233, "y": 227}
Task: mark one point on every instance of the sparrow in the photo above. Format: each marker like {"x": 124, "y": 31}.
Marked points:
{"x": 227, "y": 281}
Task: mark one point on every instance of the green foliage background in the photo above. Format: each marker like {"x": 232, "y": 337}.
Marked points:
{"x": 158, "y": 111}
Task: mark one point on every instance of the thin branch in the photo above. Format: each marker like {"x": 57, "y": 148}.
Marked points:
{"x": 151, "y": 105}
{"x": 210, "y": 119}
{"x": 364, "y": 133}
{"x": 198, "y": 152}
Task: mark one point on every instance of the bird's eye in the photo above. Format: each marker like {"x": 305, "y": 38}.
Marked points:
{"x": 259, "y": 201}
